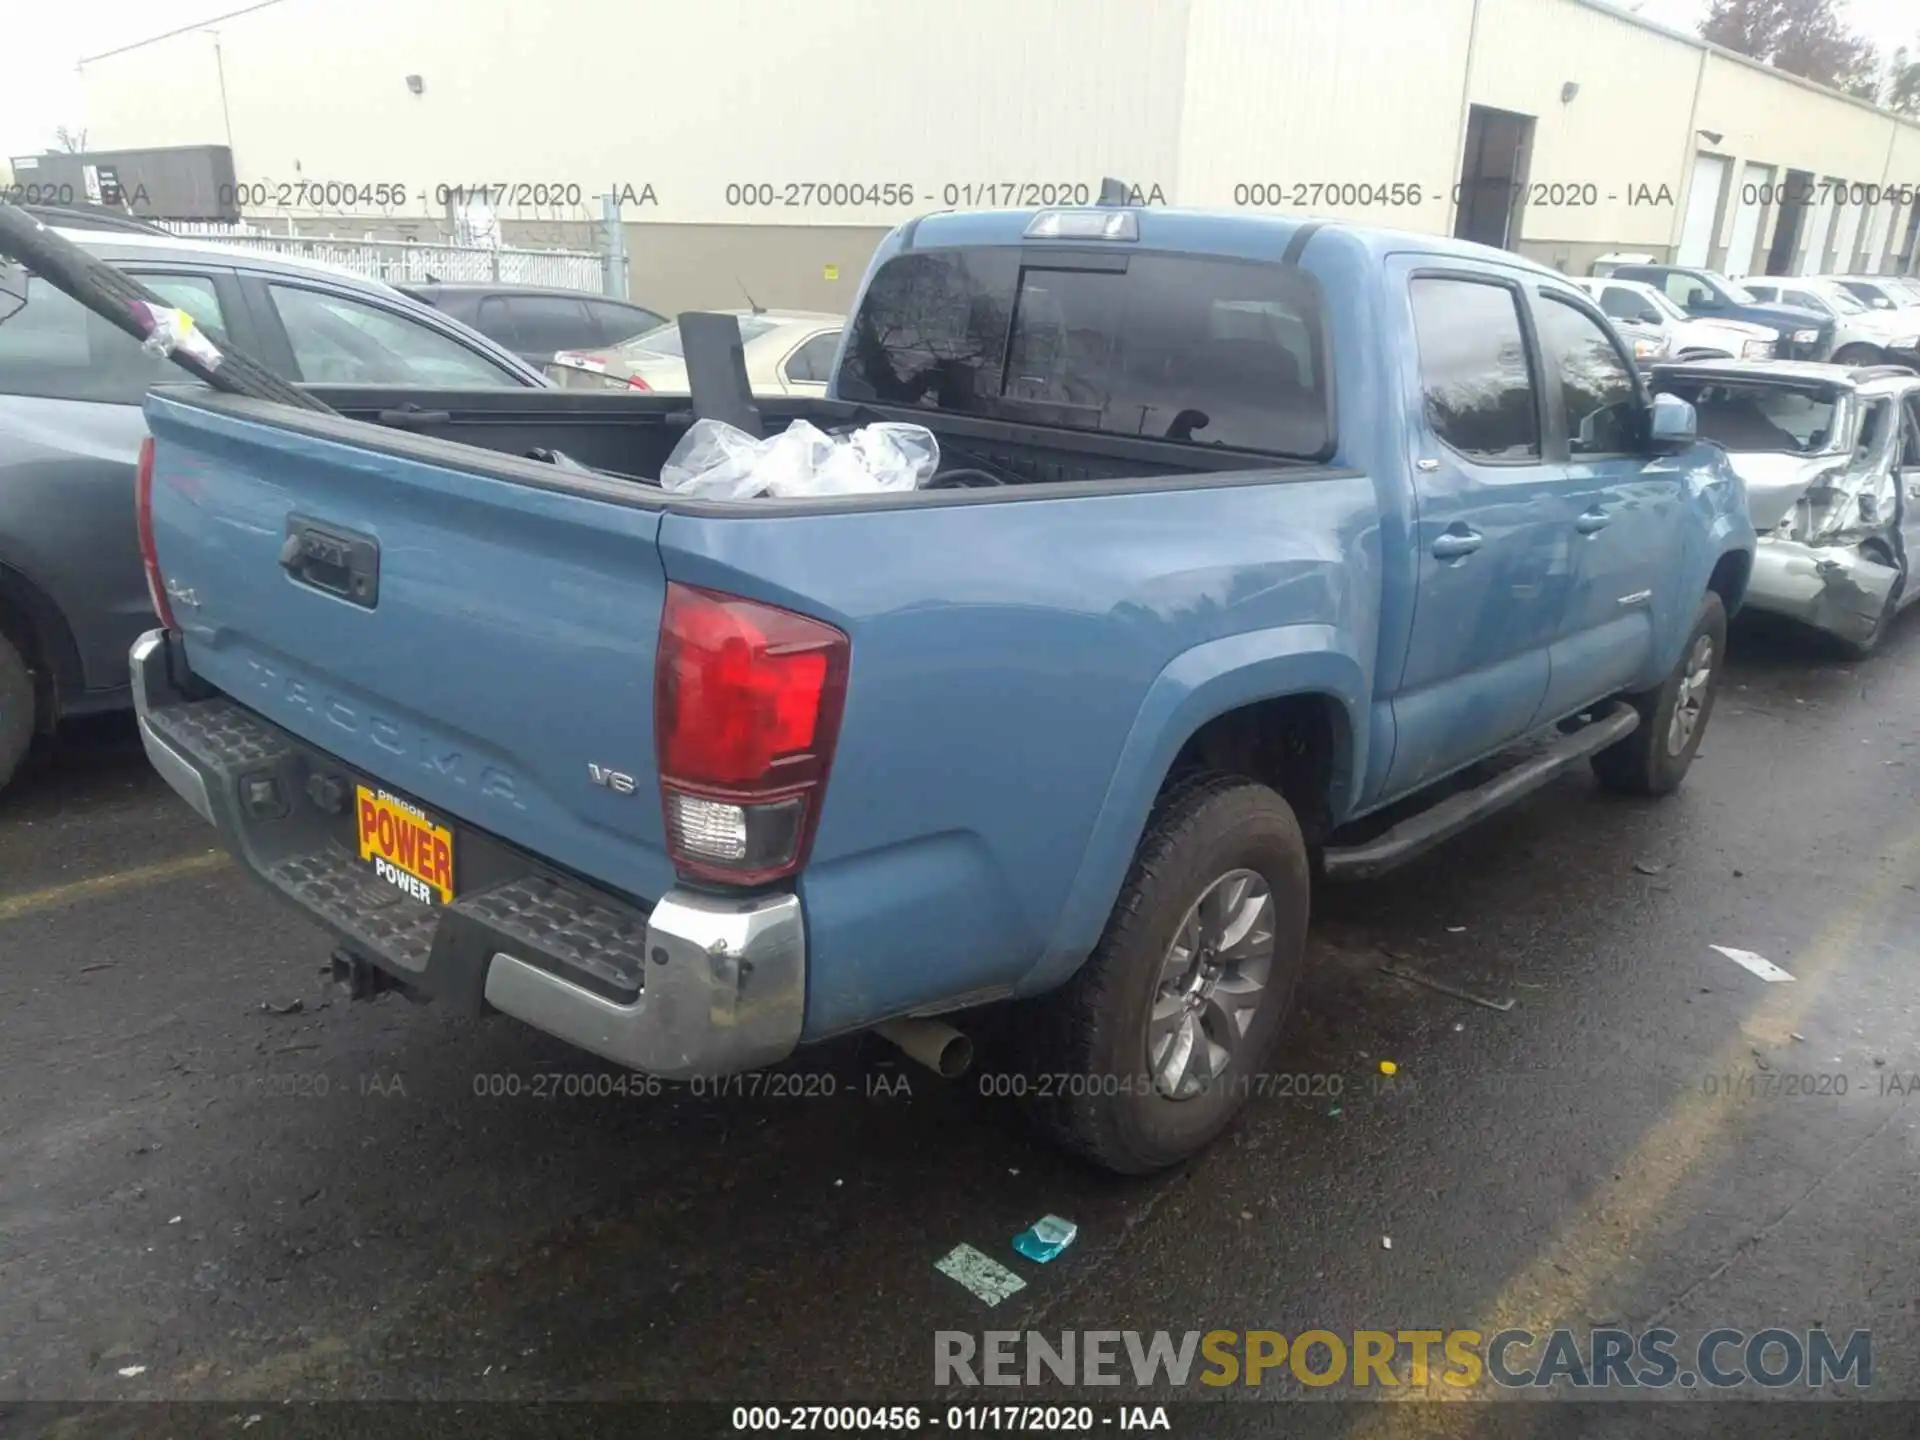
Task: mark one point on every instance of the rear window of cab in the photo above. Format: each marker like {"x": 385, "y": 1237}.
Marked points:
{"x": 1195, "y": 350}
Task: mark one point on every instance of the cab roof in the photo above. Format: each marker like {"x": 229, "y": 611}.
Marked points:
{"x": 1231, "y": 234}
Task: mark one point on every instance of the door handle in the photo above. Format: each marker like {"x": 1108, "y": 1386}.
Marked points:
{"x": 411, "y": 417}
{"x": 1591, "y": 522}
{"x": 1455, "y": 543}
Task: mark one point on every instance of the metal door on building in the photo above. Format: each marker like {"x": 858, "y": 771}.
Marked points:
{"x": 1703, "y": 207}
{"x": 1813, "y": 259}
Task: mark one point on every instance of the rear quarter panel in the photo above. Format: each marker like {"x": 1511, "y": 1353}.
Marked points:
{"x": 1023, "y": 671}
{"x": 67, "y": 525}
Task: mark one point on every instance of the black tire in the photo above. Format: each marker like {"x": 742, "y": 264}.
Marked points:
{"x": 1089, "y": 1040}
{"x": 1859, "y": 355}
{"x": 1649, "y": 761}
{"x": 16, "y": 710}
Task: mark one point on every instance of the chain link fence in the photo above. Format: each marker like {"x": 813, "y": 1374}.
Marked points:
{"x": 403, "y": 262}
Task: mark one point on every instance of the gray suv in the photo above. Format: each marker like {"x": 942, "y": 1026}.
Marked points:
{"x": 73, "y": 595}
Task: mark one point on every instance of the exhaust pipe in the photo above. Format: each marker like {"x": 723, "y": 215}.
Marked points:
{"x": 936, "y": 1045}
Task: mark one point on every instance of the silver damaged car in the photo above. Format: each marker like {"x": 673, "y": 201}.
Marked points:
{"x": 1831, "y": 460}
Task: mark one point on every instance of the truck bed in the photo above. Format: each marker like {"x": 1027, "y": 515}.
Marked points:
{"x": 631, "y": 435}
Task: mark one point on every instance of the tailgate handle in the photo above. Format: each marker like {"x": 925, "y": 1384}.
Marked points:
{"x": 340, "y": 562}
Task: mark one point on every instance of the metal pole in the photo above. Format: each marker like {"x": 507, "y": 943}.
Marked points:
{"x": 613, "y": 250}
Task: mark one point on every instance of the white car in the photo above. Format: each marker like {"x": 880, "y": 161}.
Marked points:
{"x": 1688, "y": 337}
{"x": 1862, "y": 335}
{"x": 1882, "y": 292}
{"x": 788, "y": 352}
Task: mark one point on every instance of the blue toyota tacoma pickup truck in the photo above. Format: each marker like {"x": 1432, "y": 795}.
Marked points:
{"x": 1246, "y": 530}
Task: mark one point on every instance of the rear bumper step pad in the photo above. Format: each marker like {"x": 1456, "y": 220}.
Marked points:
{"x": 696, "y": 984}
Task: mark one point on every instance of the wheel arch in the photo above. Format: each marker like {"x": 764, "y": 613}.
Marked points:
{"x": 1215, "y": 706}
{"x": 33, "y": 623}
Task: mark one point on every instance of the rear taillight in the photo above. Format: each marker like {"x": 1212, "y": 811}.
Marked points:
{"x": 634, "y": 382}
{"x": 747, "y": 706}
{"x": 143, "y": 518}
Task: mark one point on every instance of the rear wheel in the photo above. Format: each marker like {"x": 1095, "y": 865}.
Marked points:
{"x": 1673, "y": 718}
{"x": 1153, "y": 1046}
{"x": 16, "y": 709}
{"x": 1859, "y": 355}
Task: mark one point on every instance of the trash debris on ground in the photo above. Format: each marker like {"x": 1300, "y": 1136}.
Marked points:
{"x": 1758, "y": 964}
{"x": 1246, "y": 1214}
{"x": 176, "y": 1220}
{"x": 1458, "y": 1026}
{"x": 127, "y": 1372}
{"x": 1387, "y": 1067}
{"x": 292, "y": 1007}
{"x": 718, "y": 461}
{"x": 1649, "y": 867}
{"x": 1386, "y": 1242}
{"x": 1798, "y": 1036}
{"x": 986, "y": 1277}
{"x": 1418, "y": 979}
{"x": 1333, "y": 1111}
{"x": 1456, "y": 929}
{"x": 1045, "y": 1238}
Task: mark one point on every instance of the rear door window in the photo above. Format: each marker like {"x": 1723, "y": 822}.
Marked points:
{"x": 56, "y": 348}
{"x": 495, "y": 321}
{"x": 1476, "y": 376}
{"x": 616, "y": 322}
{"x": 1201, "y": 351}
{"x": 552, "y": 322}
{"x": 1624, "y": 304}
{"x": 342, "y": 341}
{"x": 812, "y": 363}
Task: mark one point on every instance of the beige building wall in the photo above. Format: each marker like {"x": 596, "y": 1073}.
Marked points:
{"x": 1608, "y": 164}
{"x": 1326, "y": 102}
{"x": 688, "y": 98}
{"x": 1218, "y": 103}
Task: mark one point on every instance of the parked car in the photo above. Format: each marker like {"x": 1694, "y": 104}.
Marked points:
{"x": 788, "y": 352}
{"x": 1707, "y": 294}
{"x": 72, "y": 593}
{"x": 534, "y": 322}
{"x": 1862, "y": 335}
{"x": 688, "y": 782}
{"x": 1649, "y": 344}
{"x": 1882, "y": 292}
{"x": 1681, "y": 336}
{"x": 1831, "y": 460}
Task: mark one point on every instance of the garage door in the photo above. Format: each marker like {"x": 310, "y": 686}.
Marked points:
{"x": 1846, "y": 235}
{"x": 1703, "y": 203}
{"x": 1749, "y": 205}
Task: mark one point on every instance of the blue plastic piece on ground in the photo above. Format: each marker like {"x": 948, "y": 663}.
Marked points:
{"x": 1045, "y": 1238}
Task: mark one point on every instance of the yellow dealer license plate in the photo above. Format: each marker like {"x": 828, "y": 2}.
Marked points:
{"x": 404, "y": 846}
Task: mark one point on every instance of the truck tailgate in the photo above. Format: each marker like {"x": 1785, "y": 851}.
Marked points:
{"x": 480, "y": 644}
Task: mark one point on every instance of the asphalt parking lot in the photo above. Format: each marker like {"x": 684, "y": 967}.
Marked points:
{"x": 220, "y": 1178}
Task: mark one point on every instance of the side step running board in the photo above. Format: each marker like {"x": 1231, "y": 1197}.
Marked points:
{"x": 1419, "y": 833}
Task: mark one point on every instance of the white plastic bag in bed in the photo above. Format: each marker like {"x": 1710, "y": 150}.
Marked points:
{"x": 716, "y": 461}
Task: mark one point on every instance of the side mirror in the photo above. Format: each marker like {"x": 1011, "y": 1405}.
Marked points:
{"x": 13, "y": 288}
{"x": 1672, "y": 426}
